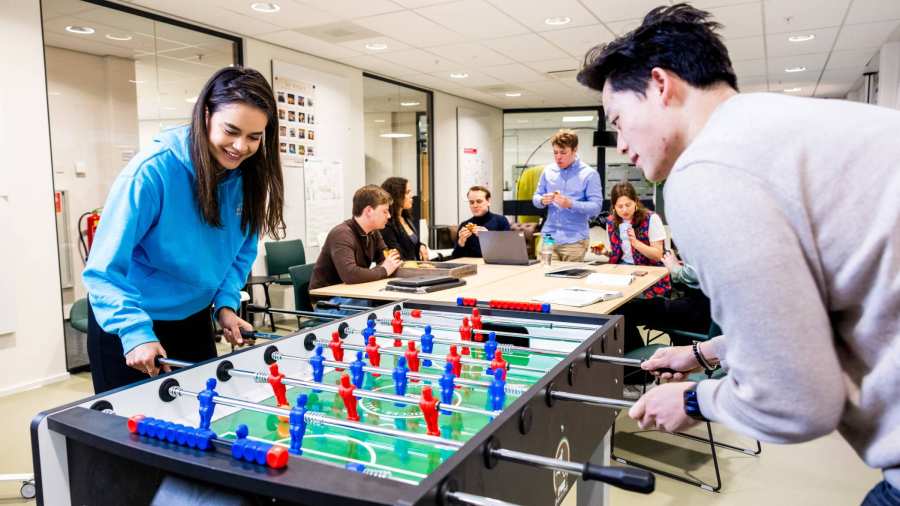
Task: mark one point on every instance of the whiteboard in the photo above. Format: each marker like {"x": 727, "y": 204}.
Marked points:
{"x": 334, "y": 122}
{"x": 474, "y": 157}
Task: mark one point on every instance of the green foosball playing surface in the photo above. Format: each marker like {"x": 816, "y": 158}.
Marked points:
{"x": 383, "y": 455}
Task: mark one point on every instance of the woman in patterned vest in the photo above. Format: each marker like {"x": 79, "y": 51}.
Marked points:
{"x": 636, "y": 235}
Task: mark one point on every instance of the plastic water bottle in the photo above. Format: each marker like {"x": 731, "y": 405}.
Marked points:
{"x": 547, "y": 250}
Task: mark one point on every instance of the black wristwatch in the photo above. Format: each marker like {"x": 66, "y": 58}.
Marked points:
{"x": 692, "y": 405}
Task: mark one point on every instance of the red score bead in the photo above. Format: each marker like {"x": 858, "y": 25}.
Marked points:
{"x": 276, "y": 457}
{"x": 133, "y": 423}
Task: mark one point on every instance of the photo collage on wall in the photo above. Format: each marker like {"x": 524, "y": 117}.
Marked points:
{"x": 296, "y": 120}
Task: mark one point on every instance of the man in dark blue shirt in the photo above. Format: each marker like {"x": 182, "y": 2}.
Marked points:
{"x": 482, "y": 219}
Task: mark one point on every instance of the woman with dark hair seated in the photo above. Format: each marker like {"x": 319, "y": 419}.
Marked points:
{"x": 400, "y": 233}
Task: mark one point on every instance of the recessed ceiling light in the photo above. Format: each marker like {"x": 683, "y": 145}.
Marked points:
{"x": 459, "y": 75}
{"x": 794, "y": 69}
{"x": 113, "y": 36}
{"x": 80, "y": 30}
{"x": 395, "y": 136}
{"x": 792, "y": 90}
{"x": 409, "y": 104}
{"x": 376, "y": 46}
{"x": 513, "y": 94}
{"x": 577, "y": 119}
{"x": 191, "y": 100}
{"x": 266, "y": 7}
{"x": 558, "y": 21}
{"x": 801, "y": 38}
{"x": 379, "y": 121}
{"x": 135, "y": 81}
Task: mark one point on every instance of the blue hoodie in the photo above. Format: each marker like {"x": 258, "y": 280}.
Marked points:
{"x": 153, "y": 257}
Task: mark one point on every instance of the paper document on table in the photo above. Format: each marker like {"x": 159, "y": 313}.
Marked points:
{"x": 576, "y": 297}
{"x": 600, "y": 278}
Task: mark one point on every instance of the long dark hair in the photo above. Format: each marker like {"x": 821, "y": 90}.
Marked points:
{"x": 625, "y": 189}
{"x": 396, "y": 188}
{"x": 261, "y": 173}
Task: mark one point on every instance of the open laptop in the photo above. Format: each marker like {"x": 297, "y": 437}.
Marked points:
{"x": 504, "y": 247}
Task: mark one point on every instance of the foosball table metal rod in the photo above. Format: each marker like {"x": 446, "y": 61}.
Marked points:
{"x": 510, "y": 388}
{"x": 546, "y": 337}
{"x": 263, "y": 377}
{"x": 438, "y": 358}
{"x": 631, "y": 362}
{"x": 316, "y": 418}
{"x": 504, "y": 347}
{"x": 310, "y": 314}
{"x": 498, "y": 320}
{"x": 604, "y": 402}
{"x": 475, "y": 500}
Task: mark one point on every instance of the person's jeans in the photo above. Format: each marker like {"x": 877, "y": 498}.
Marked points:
{"x": 882, "y": 494}
{"x": 349, "y": 301}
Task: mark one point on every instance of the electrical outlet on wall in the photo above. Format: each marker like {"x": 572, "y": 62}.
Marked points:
{"x": 80, "y": 169}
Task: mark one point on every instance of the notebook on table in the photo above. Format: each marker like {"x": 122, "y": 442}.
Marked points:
{"x": 423, "y": 284}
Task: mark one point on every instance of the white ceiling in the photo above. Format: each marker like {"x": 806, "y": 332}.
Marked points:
{"x": 506, "y": 46}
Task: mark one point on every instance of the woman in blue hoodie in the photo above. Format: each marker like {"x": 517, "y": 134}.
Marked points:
{"x": 179, "y": 233}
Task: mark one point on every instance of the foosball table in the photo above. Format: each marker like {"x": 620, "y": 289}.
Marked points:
{"x": 408, "y": 404}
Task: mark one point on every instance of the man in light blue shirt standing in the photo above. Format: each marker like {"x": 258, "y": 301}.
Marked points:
{"x": 574, "y": 194}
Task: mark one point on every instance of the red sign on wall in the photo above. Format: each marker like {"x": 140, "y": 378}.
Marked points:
{"x": 57, "y": 201}
{"x": 470, "y": 151}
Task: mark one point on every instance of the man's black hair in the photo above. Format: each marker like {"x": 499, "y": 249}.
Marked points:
{"x": 678, "y": 38}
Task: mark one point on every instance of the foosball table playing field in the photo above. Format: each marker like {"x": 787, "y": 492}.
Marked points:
{"x": 407, "y": 404}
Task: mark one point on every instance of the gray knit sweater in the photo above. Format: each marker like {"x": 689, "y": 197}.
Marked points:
{"x": 789, "y": 208}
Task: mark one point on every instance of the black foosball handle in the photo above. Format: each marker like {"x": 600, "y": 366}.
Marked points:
{"x": 634, "y": 480}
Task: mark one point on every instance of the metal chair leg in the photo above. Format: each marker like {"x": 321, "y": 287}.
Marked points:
{"x": 268, "y": 305}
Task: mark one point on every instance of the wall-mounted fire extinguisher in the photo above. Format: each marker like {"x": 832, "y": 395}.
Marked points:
{"x": 91, "y": 220}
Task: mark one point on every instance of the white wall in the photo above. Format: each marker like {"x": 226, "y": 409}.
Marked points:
{"x": 35, "y": 353}
{"x": 889, "y": 75}
{"x": 446, "y": 178}
{"x": 93, "y": 116}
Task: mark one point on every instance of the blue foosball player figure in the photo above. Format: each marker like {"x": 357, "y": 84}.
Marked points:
{"x": 207, "y": 406}
{"x": 297, "y": 420}
{"x": 447, "y": 385}
{"x": 356, "y": 370}
{"x": 427, "y": 345}
{"x": 490, "y": 346}
{"x": 497, "y": 391}
{"x": 400, "y": 379}
{"x": 316, "y": 362}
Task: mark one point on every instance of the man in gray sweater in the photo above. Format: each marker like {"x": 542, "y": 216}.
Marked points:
{"x": 789, "y": 208}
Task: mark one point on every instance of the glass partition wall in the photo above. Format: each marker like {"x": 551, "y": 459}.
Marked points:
{"x": 398, "y": 140}
{"x": 115, "y": 78}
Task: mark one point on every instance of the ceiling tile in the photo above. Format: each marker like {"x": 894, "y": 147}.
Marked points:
{"x": 350, "y": 9}
{"x": 533, "y": 13}
{"x": 378, "y": 66}
{"x": 308, "y": 45}
{"x": 867, "y": 11}
{"x": 755, "y": 88}
{"x": 526, "y": 48}
{"x": 555, "y": 65}
{"x": 470, "y": 52}
{"x": 411, "y": 28}
{"x": 833, "y": 90}
{"x": 750, "y": 67}
{"x": 52, "y": 8}
{"x": 290, "y": 15}
{"x": 421, "y": 61}
{"x": 812, "y": 62}
{"x": 513, "y": 73}
{"x": 779, "y": 45}
{"x": 619, "y": 10}
{"x": 622, "y": 27}
{"x": 744, "y": 20}
{"x": 475, "y": 79}
{"x": 795, "y": 15}
{"x": 431, "y": 82}
{"x": 360, "y": 45}
{"x": 865, "y": 35}
{"x": 578, "y": 41}
{"x": 415, "y": 4}
{"x": 745, "y": 48}
{"x": 475, "y": 19}
{"x": 856, "y": 59}
{"x": 221, "y": 19}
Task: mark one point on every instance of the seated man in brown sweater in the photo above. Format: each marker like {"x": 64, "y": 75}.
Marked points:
{"x": 354, "y": 245}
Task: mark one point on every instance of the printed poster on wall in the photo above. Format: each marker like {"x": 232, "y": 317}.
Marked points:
{"x": 296, "y": 119}
{"x": 324, "y": 183}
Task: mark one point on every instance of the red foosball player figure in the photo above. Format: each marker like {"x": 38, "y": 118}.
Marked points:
{"x": 454, "y": 358}
{"x": 397, "y": 326}
{"x": 412, "y": 358}
{"x": 477, "y": 324}
{"x": 465, "y": 333}
{"x": 278, "y": 388}
{"x": 373, "y": 353}
{"x": 337, "y": 348}
{"x": 428, "y": 405}
{"x": 346, "y": 392}
{"x": 499, "y": 363}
